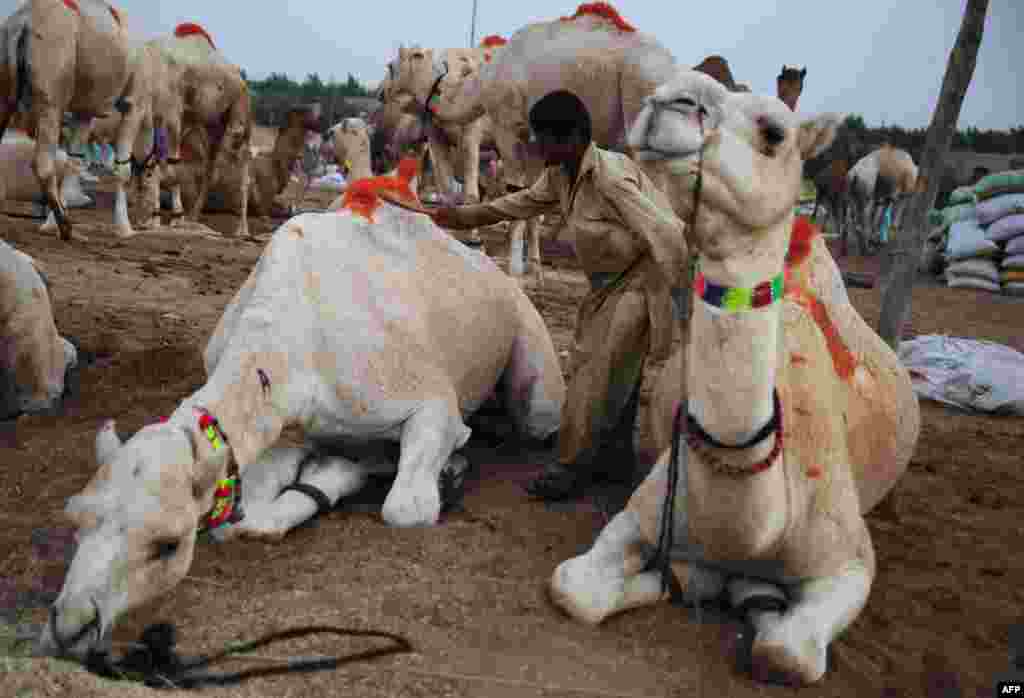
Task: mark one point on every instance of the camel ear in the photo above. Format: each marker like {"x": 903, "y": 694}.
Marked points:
{"x": 803, "y": 73}
{"x": 816, "y": 133}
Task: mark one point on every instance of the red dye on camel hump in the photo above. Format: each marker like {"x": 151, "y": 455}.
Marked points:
{"x": 492, "y": 41}
{"x": 72, "y": 5}
{"x": 800, "y": 241}
{"x": 361, "y": 196}
{"x": 191, "y": 29}
{"x": 602, "y": 9}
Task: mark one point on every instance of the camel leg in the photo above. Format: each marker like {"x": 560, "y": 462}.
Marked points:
{"x": 243, "y": 221}
{"x": 45, "y": 166}
{"x": 429, "y": 438}
{"x": 609, "y": 578}
{"x": 533, "y": 266}
{"x": 207, "y": 172}
{"x": 793, "y": 647}
{"x": 127, "y": 133}
{"x": 470, "y": 152}
{"x": 271, "y": 513}
{"x": 515, "y": 248}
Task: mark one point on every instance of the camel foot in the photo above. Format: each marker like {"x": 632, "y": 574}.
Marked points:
{"x": 125, "y": 233}
{"x": 789, "y": 651}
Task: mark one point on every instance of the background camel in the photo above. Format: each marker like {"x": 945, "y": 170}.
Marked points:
{"x": 19, "y": 183}
{"x": 874, "y": 182}
{"x": 789, "y": 85}
{"x": 58, "y": 57}
{"x": 400, "y": 328}
{"x": 594, "y": 53}
{"x": 35, "y": 361}
{"x": 775, "y": 519}
{"x": 268, "y": 176}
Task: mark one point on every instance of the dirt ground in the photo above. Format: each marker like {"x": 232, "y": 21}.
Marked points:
{"x": 470, "y": 594}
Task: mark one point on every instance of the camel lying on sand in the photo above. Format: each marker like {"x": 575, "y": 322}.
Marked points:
{"x": 268, "y": 173}
{"x": 879, "y": 177}
{"x": 58, "y": 56}
{"x": 35, "y": 361}
{"x": 800, "y": 417}
{"x": 367, "y": 328}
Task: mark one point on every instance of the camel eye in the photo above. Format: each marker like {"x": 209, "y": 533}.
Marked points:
{"x": 418, "y": 55}
{"x": 165, "y": 549}
{"x": 772, "y": 133}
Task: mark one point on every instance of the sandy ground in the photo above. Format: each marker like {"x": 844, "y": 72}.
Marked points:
{"x": 470, "y": 593}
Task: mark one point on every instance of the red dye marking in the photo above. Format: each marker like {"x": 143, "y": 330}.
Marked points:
{"x": 487, "y": 57}
{"x": 361, "y": 196}
{"x": 800, "y": 241}
{"x": 72, "y": 5}
{"x": 190, "y": 29}
{"x": 114, "y": 13}
{"x": 814, "y": 471}
{"x": 797, "y": 359}
{"x": 843, "y": 359}
{"x": 602, "y": 9}
{"x": 493, "y": 40}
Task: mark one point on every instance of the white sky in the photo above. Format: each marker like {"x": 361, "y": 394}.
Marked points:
{"x": 882, "y": 59}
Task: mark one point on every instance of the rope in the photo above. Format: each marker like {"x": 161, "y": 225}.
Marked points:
{"x": 155, "y": 663}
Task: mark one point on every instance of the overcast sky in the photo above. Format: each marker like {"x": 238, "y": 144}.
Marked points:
{"x": 879, "y": 58}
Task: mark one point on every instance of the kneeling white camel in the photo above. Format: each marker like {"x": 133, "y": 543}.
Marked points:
{"x": 801, "y": 417}
{"x": 364, "y": 327}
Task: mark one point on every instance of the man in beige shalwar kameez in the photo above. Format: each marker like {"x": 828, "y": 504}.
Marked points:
{"x": 632, "y": 247}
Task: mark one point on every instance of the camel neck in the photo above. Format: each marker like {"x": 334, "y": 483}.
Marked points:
{"x": 733, "y": 355}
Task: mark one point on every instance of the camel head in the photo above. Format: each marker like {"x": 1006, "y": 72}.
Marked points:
{"x": 351, "y": 139}
{"x": 136, "y": 527}
{"x": 753, "y": 152}
{"x": 414, "y": 73}
{"x": 718, "y": 68}
{"x": 790, "y": 85}
{"x": 393, "y": 131}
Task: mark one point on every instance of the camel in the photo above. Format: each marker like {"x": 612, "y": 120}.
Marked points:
{"x": 36, "y": 362}
{"x": 60, "y": 56}
{"x": 774, "y": 349}
{"x": 717, "y": 67}
{"x": 832, "y": 189}
{"x": 879, "y": 177}
{"x": 268, "y": 175}
{"x": 789, "y": 85}
{"x": 351, "y": 138}
{"x": 366, "y": 328}
{"x": 594, "y": 53}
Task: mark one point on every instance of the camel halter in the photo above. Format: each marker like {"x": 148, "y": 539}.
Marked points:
{"x": 697, "y": 438}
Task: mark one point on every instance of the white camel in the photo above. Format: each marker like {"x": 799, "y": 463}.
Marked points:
{"x": 801, "y": 417}
{"x": 60, "y": 56}
{"x": 367, "y": 328}
{"x": 875, "y": 180}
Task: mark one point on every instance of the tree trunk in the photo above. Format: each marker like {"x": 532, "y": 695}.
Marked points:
{"x": 900, "y": 263}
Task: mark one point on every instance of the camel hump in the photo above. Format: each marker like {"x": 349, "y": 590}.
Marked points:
{"x": 603, "y": 10}
{"x": 187, "y": 29}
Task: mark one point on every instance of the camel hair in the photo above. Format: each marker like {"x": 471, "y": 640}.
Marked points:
{"x": 36, "y": 363}
{"x": 366, "y": 328}
{"x": 268, "y": 175}
{"x": 594, "y": 53}
{"x": 57, "y": 57}
{"x": 800, "y": 418}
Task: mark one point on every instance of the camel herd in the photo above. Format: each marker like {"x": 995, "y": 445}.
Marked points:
{"x": 775, "y": 358}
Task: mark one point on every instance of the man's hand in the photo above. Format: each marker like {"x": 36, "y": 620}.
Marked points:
{"x": 446, "y": 217}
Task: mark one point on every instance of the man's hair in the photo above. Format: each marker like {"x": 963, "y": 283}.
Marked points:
{"x": 559, "y": 113}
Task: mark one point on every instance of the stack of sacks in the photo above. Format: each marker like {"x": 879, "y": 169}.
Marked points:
{"x": 960, "y": 208}
{"x": 1001, "y": 211}
{"x": 971, "y": 257}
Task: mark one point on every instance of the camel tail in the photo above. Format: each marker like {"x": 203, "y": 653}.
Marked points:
{"x": 17, "y": 62}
